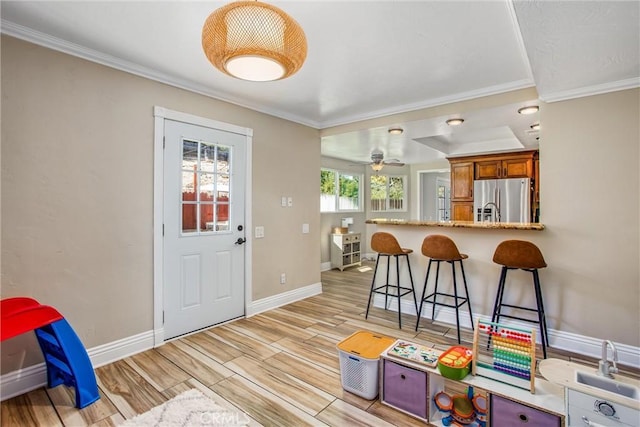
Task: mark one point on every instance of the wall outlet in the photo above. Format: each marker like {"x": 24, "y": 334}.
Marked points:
{"x": 290, "y": 201}
{"x": 259, "y": 232}
{"x": 283, "y": 278}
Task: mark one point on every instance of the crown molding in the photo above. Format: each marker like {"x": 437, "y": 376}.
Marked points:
{"x": 566, "y": 95}
{"x": 20, "y": 32}
{"x": 433, "y": 102}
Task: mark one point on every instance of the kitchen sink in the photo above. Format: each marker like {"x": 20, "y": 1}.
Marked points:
{"x": 608, "y": 384}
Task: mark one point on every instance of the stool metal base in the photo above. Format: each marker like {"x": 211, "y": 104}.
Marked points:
{"x": 432, "y": 298}
{"x": 541, "y": 322}
{"x": 400, "y": 291}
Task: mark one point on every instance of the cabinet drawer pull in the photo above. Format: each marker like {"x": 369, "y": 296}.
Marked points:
{"x": 403, "y": 376}
{"x": 586, "y": 422}
{"x": 523, "y": 418}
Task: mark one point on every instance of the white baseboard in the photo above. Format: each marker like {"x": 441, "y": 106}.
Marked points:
{"x": 325, "y": 266}
{"x": 580, "y": 344}
{"x": 284, "y": 298}
{"x": 23, "y": 380}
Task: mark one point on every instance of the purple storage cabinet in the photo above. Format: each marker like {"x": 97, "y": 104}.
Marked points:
{"x": 405, "y": 388}
{"x": 506, "y": 413}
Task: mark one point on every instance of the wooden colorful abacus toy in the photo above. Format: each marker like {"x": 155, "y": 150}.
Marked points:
{"x": 505, "y": 353}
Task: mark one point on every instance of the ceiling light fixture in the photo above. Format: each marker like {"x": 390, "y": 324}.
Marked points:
{"x": 535, "y": 126}
{"x": 254, "y": 41}
{"x": 377, "y": 166}
{"x": 455, "y": 122}
{"x": 396, "y": 131}
{"x": 529, "y": 110}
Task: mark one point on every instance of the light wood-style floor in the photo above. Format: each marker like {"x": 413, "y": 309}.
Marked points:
{"x": 281, "y": 367}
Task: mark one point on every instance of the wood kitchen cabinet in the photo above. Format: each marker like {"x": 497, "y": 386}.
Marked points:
{"x": 500, "y": 167}
{"x": 535, "y": 205}
{"x": 461, "y": 190}
{"x": 461, "y": 181}
{"x": 464, "y": 170}
{"x": 462, "y": 211}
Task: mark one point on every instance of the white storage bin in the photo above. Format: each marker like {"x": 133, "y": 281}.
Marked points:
{"x": 359, "y": 358}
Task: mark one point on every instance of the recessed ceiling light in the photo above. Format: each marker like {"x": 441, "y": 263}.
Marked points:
{"x": 535, "y": 126}
{"x": 455, "y": 122}
{"x": 396, "y": 131}
{"x": 529, "y": 110}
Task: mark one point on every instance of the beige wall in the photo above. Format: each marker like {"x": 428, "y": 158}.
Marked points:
{"x": 77, "y": 208}
{"x": 590, "y": 199}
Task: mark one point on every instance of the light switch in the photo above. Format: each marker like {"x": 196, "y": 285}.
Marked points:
{"x": 305, "y": 228}
{"x": 283, "y": 201}
{"x": 259, "y": 232}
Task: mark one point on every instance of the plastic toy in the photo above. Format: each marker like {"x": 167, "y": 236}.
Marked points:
{"x": 462, "y": 409}
{"x": 66, "y": 358}
{"x": 506, "y": 354}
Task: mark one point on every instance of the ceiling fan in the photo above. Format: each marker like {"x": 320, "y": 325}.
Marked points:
{"x": 378, "y": 162}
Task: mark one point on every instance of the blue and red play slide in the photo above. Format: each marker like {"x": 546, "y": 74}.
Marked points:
{"x": 66, "y": 358}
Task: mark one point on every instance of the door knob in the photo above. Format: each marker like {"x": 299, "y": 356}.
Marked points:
{"x": 240, "y": 240}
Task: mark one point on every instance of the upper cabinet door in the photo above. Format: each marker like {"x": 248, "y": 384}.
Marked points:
{"x": 517, "y": 168}
{"x": 462, "y": 181}
{"x": 514, "y": 166}
{"x": 489, "y": 169}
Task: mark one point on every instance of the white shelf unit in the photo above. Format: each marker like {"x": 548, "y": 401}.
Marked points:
{"x": 345, "y": 250}
{"x": 522, "y": 407}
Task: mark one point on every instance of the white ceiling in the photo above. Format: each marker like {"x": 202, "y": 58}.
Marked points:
{"x": 371, "y": 59}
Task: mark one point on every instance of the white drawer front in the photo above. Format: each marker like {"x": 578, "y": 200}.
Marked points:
{"x": 613, "y": 413}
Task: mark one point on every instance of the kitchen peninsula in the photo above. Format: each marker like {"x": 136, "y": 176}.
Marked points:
{"x": 479, "y": 241}
{"x": 460, "y": 224}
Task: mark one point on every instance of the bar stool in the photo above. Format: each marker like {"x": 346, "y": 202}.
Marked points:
{"x": 386, "y": 245}
{"x": 439, "y": 249}
{"x": 523, "y": 255}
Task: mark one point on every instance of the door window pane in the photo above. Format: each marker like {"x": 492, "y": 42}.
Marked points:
{"x": 205, "y": 187}
{"x": 189, "y": 218}
{"x": 208, "y": 158}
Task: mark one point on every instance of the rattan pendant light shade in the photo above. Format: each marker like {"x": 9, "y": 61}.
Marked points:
{"x": 254, "y": 41}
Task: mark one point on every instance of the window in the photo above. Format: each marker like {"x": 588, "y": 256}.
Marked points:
{"x": 205, "y": 187}
{"x": 339, "y": 191}
{"x": 388, "y": 193}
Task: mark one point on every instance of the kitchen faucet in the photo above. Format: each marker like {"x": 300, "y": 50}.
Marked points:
{"x": 604, "y": 368}
{"x": 497, "y": 210}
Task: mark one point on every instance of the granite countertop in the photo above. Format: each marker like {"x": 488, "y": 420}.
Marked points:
{"x": 563, "y": 372}
{"x": 460, "y": 224}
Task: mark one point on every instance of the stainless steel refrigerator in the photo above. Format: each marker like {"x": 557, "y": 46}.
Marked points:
{"x": 502, "y": 200}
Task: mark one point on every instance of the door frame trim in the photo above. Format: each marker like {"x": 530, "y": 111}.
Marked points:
{"x": 160, "y": 114}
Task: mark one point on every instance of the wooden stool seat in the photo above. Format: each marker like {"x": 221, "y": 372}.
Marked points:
{"x": 386, "y": 245}
{"x": 521, "y": 255}
{"x": 439, "y": 248}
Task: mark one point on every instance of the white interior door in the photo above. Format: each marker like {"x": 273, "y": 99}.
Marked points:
{"x": 204, "y": 234}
